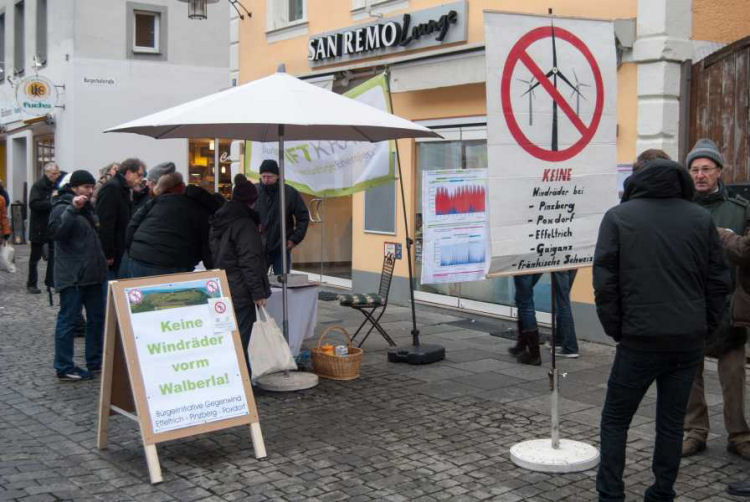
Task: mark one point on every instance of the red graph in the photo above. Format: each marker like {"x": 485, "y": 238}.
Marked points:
{"x": 461, "y": 200}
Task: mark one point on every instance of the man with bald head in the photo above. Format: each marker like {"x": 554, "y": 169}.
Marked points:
{"x": 39, "y": 205}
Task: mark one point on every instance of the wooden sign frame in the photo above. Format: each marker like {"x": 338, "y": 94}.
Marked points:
{"x": 122, "y": 385}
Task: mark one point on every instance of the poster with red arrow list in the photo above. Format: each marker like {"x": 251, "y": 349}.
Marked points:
{"x": 551, "y": 139}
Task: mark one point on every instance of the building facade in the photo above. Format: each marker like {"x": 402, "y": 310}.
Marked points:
{"x": 442, "y": 85}
{"x": 105, "y": 62}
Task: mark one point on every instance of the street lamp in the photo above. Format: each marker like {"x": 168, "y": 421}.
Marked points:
{"x": 198, "y": 9}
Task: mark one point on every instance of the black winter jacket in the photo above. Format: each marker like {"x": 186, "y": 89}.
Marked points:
{"x": 79, "y": 260}
{"x": 113, "y": 207}
{"x": 237, "y": 248}
{"x": 660, "y": 277}
{"x": 727, "y": 212}
{"x": 40, "y": 205}
{"x": 172, "y": 230}
{"x": 297, "y": 216}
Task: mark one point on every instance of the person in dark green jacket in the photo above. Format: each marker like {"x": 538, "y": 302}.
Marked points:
{"x": 727, "y": 343}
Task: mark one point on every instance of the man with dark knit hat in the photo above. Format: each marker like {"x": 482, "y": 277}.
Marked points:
{"x": 79, "y": 275}
{"x": 727, "y": 343}
{"x": 236, "y": 247}
{"x": 297, "y": 216}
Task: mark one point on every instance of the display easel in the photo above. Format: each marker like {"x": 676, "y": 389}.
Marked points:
{"x": 122, "y": 385}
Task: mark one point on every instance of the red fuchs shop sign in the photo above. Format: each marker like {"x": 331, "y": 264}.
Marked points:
{"x": 437, "y": 26}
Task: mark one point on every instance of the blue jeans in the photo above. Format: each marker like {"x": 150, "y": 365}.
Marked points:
{"x": 632, "y": 373}
{"x": 139, "y": 269}
{"x": 71, "y": 300}
{"x": 274, "y": 259}
{"x": 566, "y": 331}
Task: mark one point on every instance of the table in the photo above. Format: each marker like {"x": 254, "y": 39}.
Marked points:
{"x": 302, "y": 308}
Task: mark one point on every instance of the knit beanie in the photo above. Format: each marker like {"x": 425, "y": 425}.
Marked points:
{"x": 160, "y": 170}
{"x": 81, "y": 177}
{"x": 245, "y": 192}
{"x": 704, "y": 149}
{"x": 269, "y": 166}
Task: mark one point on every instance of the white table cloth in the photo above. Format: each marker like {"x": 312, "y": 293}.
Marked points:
{"x": 303, "y": 313}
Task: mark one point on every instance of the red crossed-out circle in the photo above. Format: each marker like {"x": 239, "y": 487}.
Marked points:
{"x": 220, "y": 307}
{"x": 518, "y": 53}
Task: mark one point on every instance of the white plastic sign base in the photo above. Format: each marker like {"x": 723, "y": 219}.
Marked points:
{"x": 287, "y": 381}
{"x": 539, "y": 455}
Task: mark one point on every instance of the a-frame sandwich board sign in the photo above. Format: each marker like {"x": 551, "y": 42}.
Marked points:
{"x": 173, "y": 361}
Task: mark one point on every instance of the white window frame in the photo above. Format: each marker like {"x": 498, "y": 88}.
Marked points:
{"x": 278, "y": 26}
{"x": 156, "y": 49}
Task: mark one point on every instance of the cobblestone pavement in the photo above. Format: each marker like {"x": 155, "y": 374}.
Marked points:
{"x": 437, "y": 432}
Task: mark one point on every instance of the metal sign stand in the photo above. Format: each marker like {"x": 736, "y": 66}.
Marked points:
{"x": 554, "y": 454}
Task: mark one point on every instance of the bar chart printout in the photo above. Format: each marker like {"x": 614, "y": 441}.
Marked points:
{"x": 455, "y": 226}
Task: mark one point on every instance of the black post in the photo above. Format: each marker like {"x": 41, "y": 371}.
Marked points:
{"x": 416, "y": 353}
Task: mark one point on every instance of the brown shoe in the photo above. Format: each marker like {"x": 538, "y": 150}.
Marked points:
{"x": 692, "y": 446}
{"x": 741, "y": 449}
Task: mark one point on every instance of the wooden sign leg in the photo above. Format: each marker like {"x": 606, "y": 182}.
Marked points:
{"x": 108, "y": 356}
{"x": 152, "y": 460}
{"x": 257, "y": 437}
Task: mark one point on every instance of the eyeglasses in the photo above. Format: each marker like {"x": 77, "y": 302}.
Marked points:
{"x": 702, "y": 170}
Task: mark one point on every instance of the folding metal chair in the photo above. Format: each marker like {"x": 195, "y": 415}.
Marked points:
{"x": 370, "y": 303}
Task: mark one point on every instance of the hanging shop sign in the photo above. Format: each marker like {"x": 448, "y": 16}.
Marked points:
{"x": 442, "y": 25}
{"x": 551, "y": 139}
{"x": 36, "y": 95}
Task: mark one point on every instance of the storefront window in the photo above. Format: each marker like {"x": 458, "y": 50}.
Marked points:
{"x": 202, "y": 171}
{"x": 466, "y": 148}
{"x": 44, "y": 151}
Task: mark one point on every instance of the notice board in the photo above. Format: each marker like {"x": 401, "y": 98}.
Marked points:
{"x": 173, "y": 361}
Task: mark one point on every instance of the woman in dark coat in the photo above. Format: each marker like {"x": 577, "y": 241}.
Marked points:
{"x": 237, "y": 248}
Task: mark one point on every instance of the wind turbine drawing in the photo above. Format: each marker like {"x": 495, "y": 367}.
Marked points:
{"x": 555, "y": 73}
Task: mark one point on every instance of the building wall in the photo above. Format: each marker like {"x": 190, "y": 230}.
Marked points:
{"x": 259, "y": 57}
{"x": 87, "y": 40}
{"x": 721, "y": 20}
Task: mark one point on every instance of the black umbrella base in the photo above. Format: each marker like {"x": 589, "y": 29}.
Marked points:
{"x": 416, "y": 354}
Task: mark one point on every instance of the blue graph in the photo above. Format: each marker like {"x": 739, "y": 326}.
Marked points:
{"x": 465, "y": 253}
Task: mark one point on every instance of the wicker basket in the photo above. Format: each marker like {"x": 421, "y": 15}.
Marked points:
{"x": 336, "y": 367}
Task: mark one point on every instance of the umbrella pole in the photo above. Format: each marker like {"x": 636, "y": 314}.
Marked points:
{"x": 282, "y": 215}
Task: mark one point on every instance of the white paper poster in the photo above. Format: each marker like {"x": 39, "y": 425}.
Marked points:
{"x": 190, "y": 370}
{"x": 455, "y": 232}
{"x": 551, "y": 139}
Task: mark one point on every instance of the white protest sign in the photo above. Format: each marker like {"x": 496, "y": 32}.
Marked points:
{"x": 190, "y": 370}
{"x": 551, "y": 146}
{"x": 455, "y": 234}
{"x": 333, "y": 168}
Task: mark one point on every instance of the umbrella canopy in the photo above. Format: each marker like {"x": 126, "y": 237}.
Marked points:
{"x": 254, "y": 111}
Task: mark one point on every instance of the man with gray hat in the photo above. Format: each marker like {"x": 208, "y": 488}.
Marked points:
{"x": 727, "y": 343}
{"x": 145, "y": 192}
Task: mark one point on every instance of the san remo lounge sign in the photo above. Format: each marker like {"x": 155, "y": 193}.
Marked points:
{"x": 445, "y": 24}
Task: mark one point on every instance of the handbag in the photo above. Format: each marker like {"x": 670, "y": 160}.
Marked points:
{"x": 268, "y": 351}
{"x": 7, "y": 258}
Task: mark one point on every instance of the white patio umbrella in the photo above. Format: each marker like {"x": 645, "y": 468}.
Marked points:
{"x": 276, "y": 108}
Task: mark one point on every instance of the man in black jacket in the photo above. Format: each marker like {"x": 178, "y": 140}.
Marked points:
{"x": 114, "y": 205}
{"x": 40, "y": 205}
{"x": 297, "y": 216}
{"x": 80, "y": 273}
{"x": 169, "y": 234}
{"x": 660, "y": 281}
{"x": 237, "y": 248}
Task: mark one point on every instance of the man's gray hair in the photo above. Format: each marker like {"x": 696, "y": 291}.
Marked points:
{"x": 50, "y": 166}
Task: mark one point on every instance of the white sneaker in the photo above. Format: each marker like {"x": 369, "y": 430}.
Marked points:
{"x": 567, "y": 355}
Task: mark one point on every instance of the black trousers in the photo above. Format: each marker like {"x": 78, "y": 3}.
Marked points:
{"x": 36, "y": 255}
{"x": 245, "y": 319}
{"x": 632, "y": 374}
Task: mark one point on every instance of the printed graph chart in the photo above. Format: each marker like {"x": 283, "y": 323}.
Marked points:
{"x": 464, "y": 199}
{"x": 461, "y": 253}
